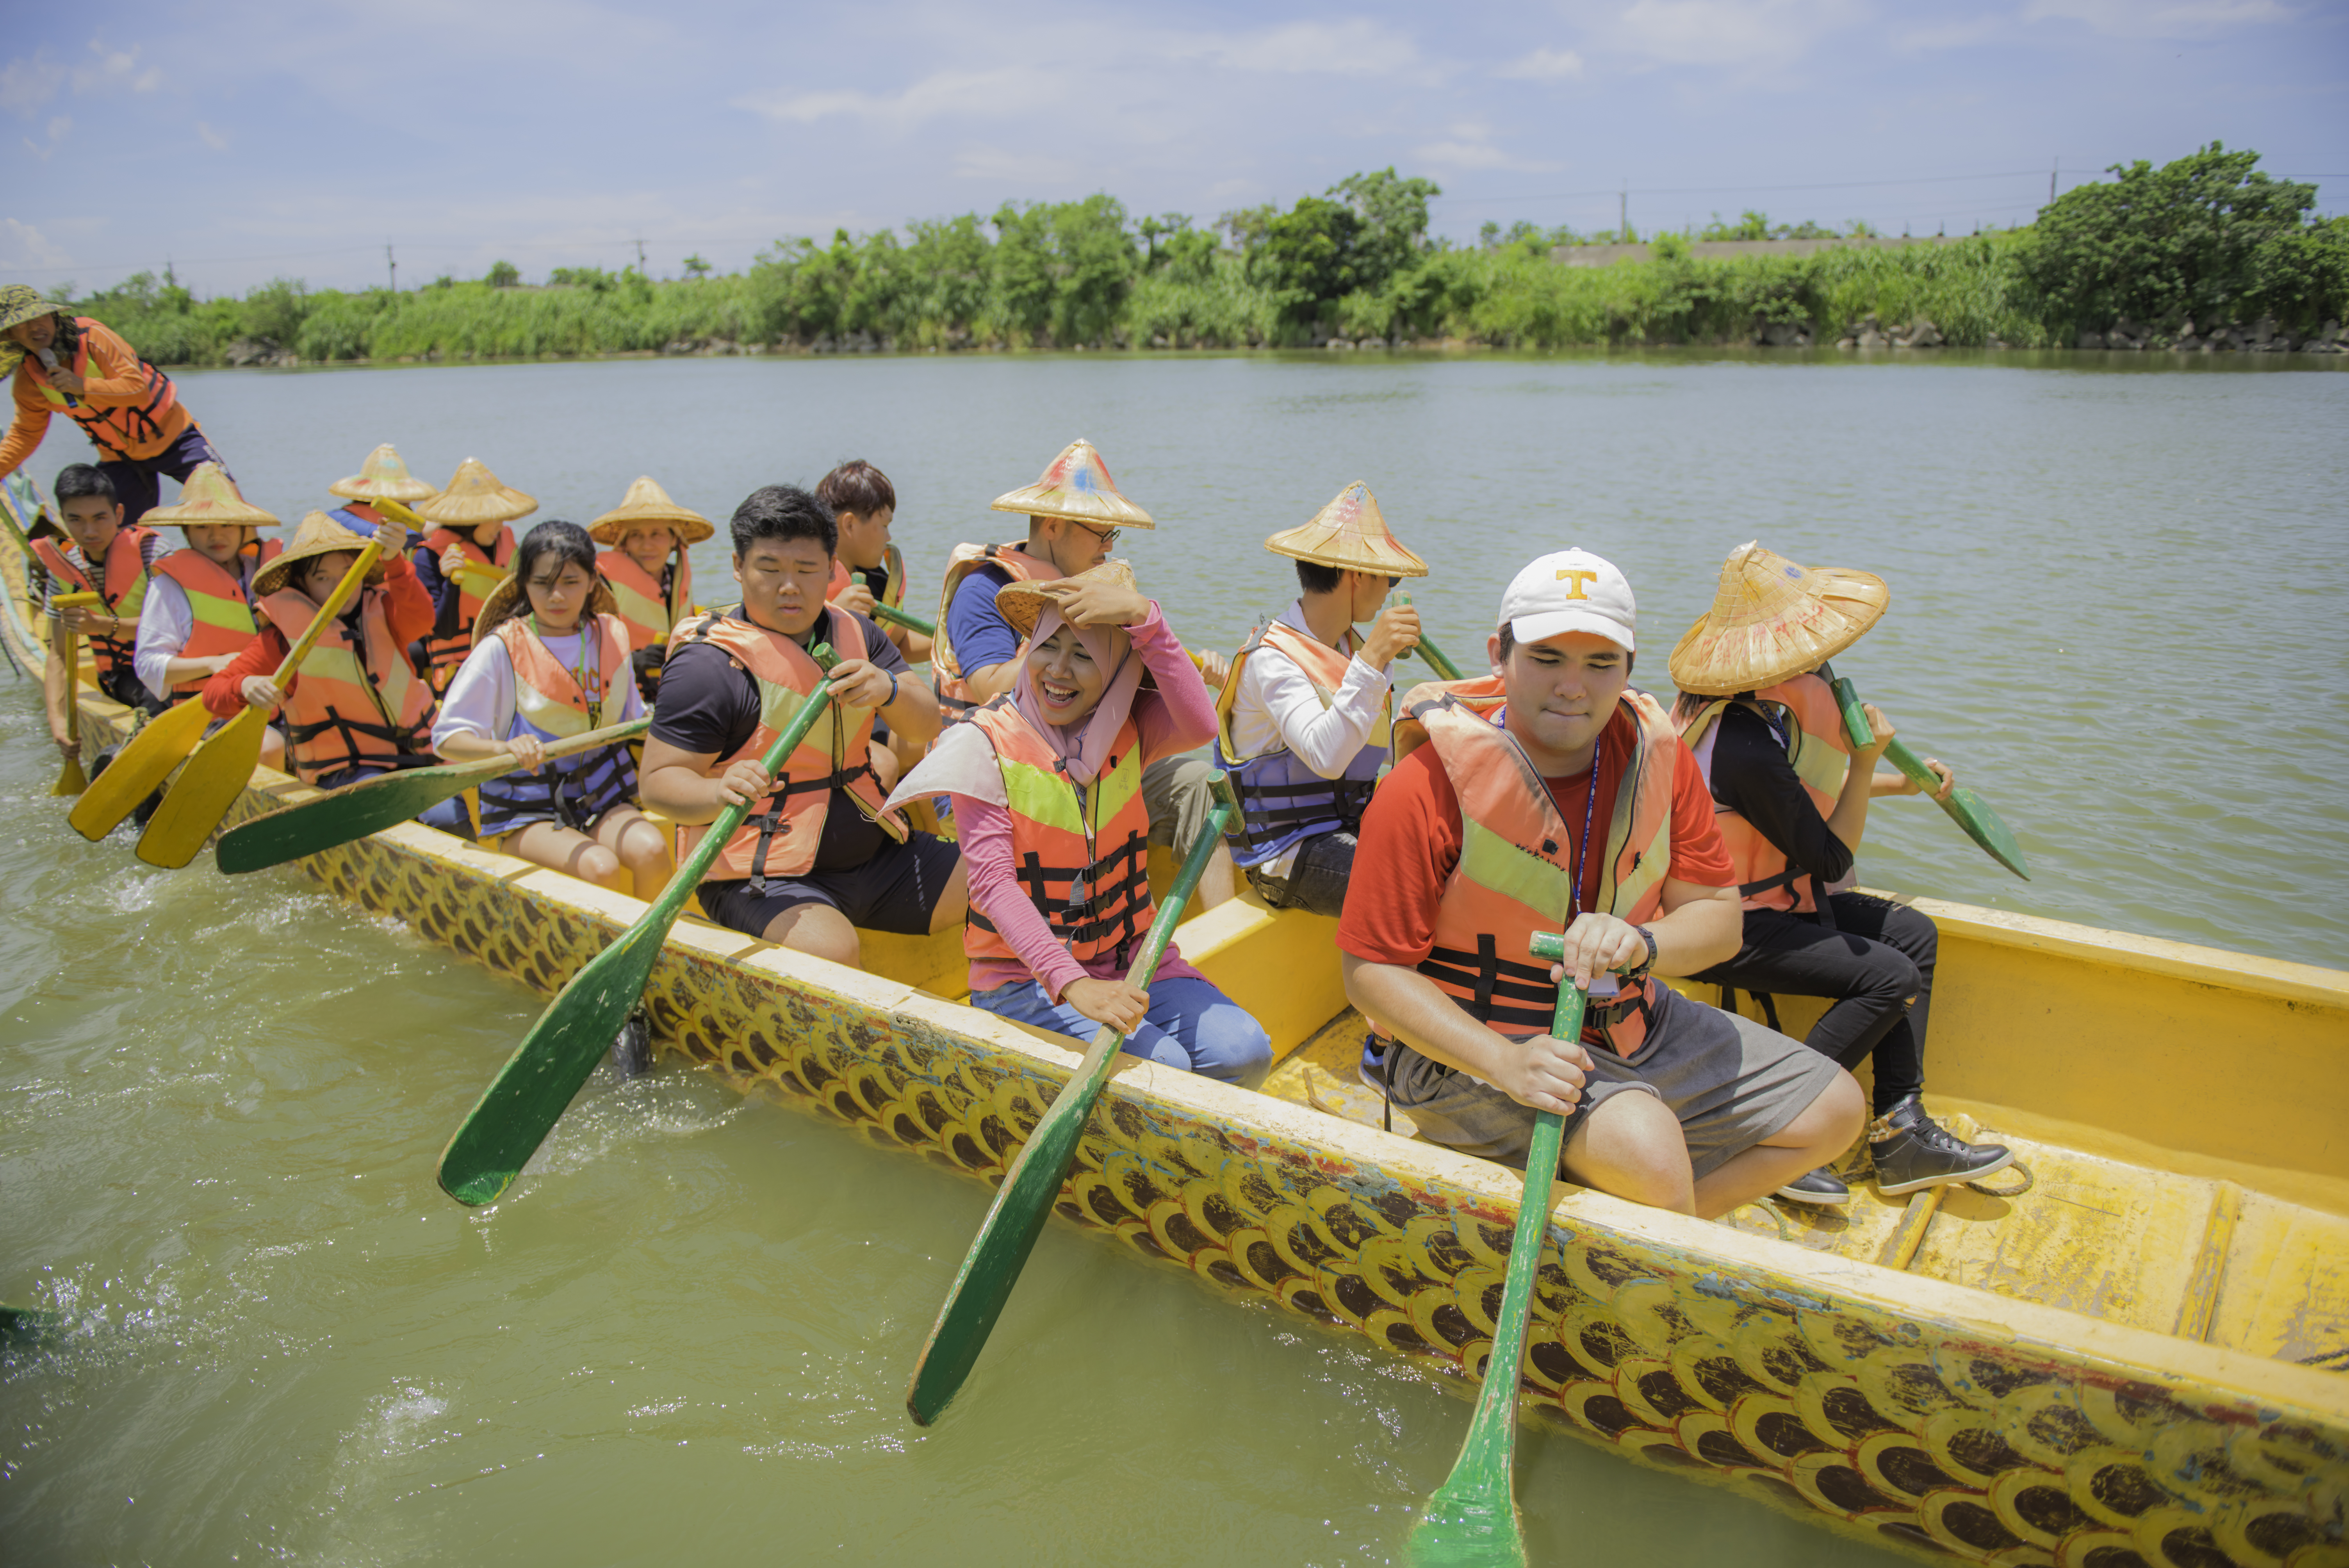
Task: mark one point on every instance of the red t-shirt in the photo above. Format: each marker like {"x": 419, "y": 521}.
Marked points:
{"x": 1410, "y": 843}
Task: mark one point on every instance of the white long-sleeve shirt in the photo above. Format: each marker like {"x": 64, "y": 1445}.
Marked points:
{"x": 166, "y": 622}
{"x": 1277, "y": 707}
{"x": 480, "y": 699}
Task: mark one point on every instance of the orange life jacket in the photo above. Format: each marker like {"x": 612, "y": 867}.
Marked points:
{"x": 444, "y": 655}
{"x": 123, "y": 592}
{"x": 1516, "y": 875}
{"x": 1082, "y": 855}
{"x": 649, "y": 613}
{"x": 549, "y": 703}
{"x": 843, "y": 578}
{"x": 355, "y": 700}
{"x": 1805, "y": 713}
{"x": 1282, "y": 801}
{"x": 219, "y": 602}
{"x": 125, "y": 429}
{"x": 781, "y": 835}
{"x": 945, "y": 673}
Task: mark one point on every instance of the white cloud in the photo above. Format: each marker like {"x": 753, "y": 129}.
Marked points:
{"x": 58, "y": 126}
{"x": 1544, "y": 65}
{"x": 22, "y": 246}
{"x": 1009, "y": 91}
{"x": 116, "y": 68}
{"x": 1354, "y": 47}
{"x": 28, "y": 83}
{"x": 1470, "y": 146}
{"x": 1004, "y": 167}
{"x": 2179, "y": 19}
{"x": 216, "y": 141}
{"x": 1753, "y": 33}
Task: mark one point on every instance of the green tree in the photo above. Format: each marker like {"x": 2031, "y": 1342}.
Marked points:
{"x": 276, "y": 310}
{"x": 696, "y": 267}
{"x": 1391, "y": 232}
{"x": 502, "y": 275}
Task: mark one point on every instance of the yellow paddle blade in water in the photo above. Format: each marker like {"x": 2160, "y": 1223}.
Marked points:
{"x": 142, "y": 764}
{"x": 71, "y": 781}
{"x": 199, "y": 798}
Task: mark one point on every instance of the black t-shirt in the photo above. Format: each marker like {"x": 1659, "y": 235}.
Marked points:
{"x": 708, "y": 703}
{"x": 1752, "y": 777}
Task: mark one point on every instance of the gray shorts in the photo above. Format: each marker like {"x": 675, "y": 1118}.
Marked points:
{"x": 1178, "y": 792}
{"x": 1730, "y": 1081}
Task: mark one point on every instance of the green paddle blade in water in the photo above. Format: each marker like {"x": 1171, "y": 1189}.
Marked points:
{"x": 1968, "y": 811}
{"x": 538, "y": 1082}
{"x": 373, "y": 804}
{"x": 1025, "y": 1200}
{"x": 1471, "y": 1519}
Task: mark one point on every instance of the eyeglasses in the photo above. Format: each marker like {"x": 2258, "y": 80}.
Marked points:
{"x": 1107, "y": 536}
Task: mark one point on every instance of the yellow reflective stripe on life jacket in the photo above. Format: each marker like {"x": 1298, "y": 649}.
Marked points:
{"x": 1492, "y": 862}
{"x": 213, "y": 610}
{"x": 330, "y": 663}
{"x": 1819, "y": 766}
{"x": 638, "y": 609}
{"x": 552, "y": 716}
{"x": 1044, "y": 796}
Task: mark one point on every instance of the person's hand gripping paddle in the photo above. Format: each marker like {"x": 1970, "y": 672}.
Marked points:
{"x": 222, "y": 767}
{"x": 537, "y": 1084}
{"x": 881, "y": 612}
{"x": 1471, "y": 1519}
{"x": 1025, "y": 1200}
{"x": 71, "y": 780}
{"x": 1967, "y": 809}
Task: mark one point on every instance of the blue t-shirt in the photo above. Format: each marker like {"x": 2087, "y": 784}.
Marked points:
{"x": 981, "y": 635}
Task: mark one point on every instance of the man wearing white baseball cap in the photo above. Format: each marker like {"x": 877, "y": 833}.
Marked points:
{"x": 1550, "y": 796}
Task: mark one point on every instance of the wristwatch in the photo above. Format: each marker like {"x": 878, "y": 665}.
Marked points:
{"x": 1649, "y": 961}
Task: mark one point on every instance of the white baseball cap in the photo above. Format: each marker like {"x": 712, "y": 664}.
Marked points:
{"x": 1570, "y": 590}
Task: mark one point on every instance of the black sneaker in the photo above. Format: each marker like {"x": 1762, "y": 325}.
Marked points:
{"x": 1822, "y": 1187}
{"x": 1912, "y": 1152}
{"x": 632, "y": 1047}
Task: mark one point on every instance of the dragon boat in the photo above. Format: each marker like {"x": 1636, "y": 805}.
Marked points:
{"x": 2142, "y": 1361}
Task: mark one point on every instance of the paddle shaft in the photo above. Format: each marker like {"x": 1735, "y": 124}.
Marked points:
{"x": 891, "y": 613}
{"x": 1472, "y": 1517}
{"x": 537, "y": 1083}
{"x": 1429, "y": 651}
{"x": 71, "y": 780}
{"x": 1029, "y": 1188}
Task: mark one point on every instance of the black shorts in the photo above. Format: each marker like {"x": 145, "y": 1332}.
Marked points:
{"x": 897, "y": 891}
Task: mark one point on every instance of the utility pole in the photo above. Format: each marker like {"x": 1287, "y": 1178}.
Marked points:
{"x": 394, "y": 265}
{"x": 2051, "y": 181}
{"x": 1623, "y": 213}
{"x": 640, "y": 253}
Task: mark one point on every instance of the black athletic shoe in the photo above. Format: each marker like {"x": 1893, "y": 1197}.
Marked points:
{"x": 1822, "y": 1187}
{"x": 1912, "y": 1152}
{"x": 632, "y": 1047}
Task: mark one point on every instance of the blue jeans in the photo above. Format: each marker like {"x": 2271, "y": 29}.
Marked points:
{"x": 1192, "y": 1025}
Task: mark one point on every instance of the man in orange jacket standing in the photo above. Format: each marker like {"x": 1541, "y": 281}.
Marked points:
{"x": 75, "y": 366}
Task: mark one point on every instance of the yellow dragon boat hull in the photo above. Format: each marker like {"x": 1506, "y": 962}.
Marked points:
{"x": 2106, "y": 1371}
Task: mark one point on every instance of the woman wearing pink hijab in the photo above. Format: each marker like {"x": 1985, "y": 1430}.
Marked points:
{"x": 1046, "y": 783}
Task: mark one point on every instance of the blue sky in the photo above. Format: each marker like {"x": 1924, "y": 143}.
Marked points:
{"x": 244, "y": 140}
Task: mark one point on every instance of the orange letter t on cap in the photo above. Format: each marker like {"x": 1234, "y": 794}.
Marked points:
{"x": 1579, "y": 581}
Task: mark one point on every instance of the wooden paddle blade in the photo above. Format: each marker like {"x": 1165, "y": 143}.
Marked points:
{"x": 71, "y": 780}
{"x": 143, "y": 764}
{"x": 991, "y": 1268}
{"x": 199, "y": 798}
{"x": 542, "y": 1076}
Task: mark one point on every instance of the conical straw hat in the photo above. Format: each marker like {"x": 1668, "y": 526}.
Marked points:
{"x": 475, "y": 497}
{"x": 646, "y": 505}
{"x": 1350, "y": 534}
{"x": 1077, "y": 486}
{"x": 1771, "y": 619}
{"x": 1023, "y": 604}
{"x": 318, "y": 533}
{"x": 383, "y": 477}
{"x": 210, "y": 496}
{"x": 506, "y": 600}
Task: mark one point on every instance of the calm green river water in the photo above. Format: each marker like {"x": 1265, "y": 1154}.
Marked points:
{"x": 2117, "y": 606}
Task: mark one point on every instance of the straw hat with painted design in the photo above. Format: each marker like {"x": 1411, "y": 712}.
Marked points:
{"x": 646, "y": 505}
{"x": 1351, "y": 535}
{"x": 1771, "y": 620}
{"x": 1076, "y": 485}
{"x": 475, "y": 497}
{"x": 320, "y": 534}
{"x": 1023, "y": 604}
{"x": 506, "y": 600}
{"x": 209, "y": 496}
{"x": 383, "y": 477}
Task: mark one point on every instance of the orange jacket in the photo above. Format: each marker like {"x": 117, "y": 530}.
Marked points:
{"x": 359, "y": 699}
{"x": 122, "y": 592}
{"x": 127, "y": 408}
{"x": 444, "y": 655}
{"x": 647, "y": 614}
{"x": 1812, "y": 721}
{"x": 946, "y": 674}
{"x": 1082, "y": 854}
{"x": 1517, "y": 875}
{"x": 222, "y": 615}
{"x": 781, "y": 835}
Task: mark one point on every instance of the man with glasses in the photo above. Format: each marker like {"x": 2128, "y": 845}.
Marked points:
{"x": 1075, "y": 514}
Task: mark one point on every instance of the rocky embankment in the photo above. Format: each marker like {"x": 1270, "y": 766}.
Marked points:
{"x": 2262, "y": 337}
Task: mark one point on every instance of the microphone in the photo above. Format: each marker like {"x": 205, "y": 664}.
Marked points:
{"x": 49, "y": 359}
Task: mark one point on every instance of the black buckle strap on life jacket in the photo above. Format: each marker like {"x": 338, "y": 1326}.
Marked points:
{"x": 1113, "y": 905}
{"x": 1267, "y": 810}
{"x": 1495, "y": 985}
{"x": 1605, "y": 1018}
{"x": 298, "y": 735}
{"x": 143, "y": 425}
{"x": 1768, "y": 1004}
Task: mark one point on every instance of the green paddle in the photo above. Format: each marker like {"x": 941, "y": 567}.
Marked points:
{"x": 26, "y": 1324}
{"x": 1430, "y": 652}
{"x": 531, "y": 1092}
{"x": 1025, "y": 1200}
{"x": 355, "y": 811}
{"x": 1966, "y": 809}
{"x": 891, "y": 613}
{"x": 1471, "y": 1519}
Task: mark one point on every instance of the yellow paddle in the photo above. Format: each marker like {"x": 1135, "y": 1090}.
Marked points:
{"x": 199, "y": 798}
{"x": 72, "y": 781}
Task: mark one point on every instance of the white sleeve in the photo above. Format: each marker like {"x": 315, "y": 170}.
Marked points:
{"x": 1324, "y": 740}
{"x": 480, "y": 700}
{"x": 165, "y": 624}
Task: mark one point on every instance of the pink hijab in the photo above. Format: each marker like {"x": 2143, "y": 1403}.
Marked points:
{"x": 1084, "y": 747}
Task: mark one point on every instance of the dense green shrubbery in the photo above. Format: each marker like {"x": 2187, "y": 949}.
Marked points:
{"x": 2206, "y": 237}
